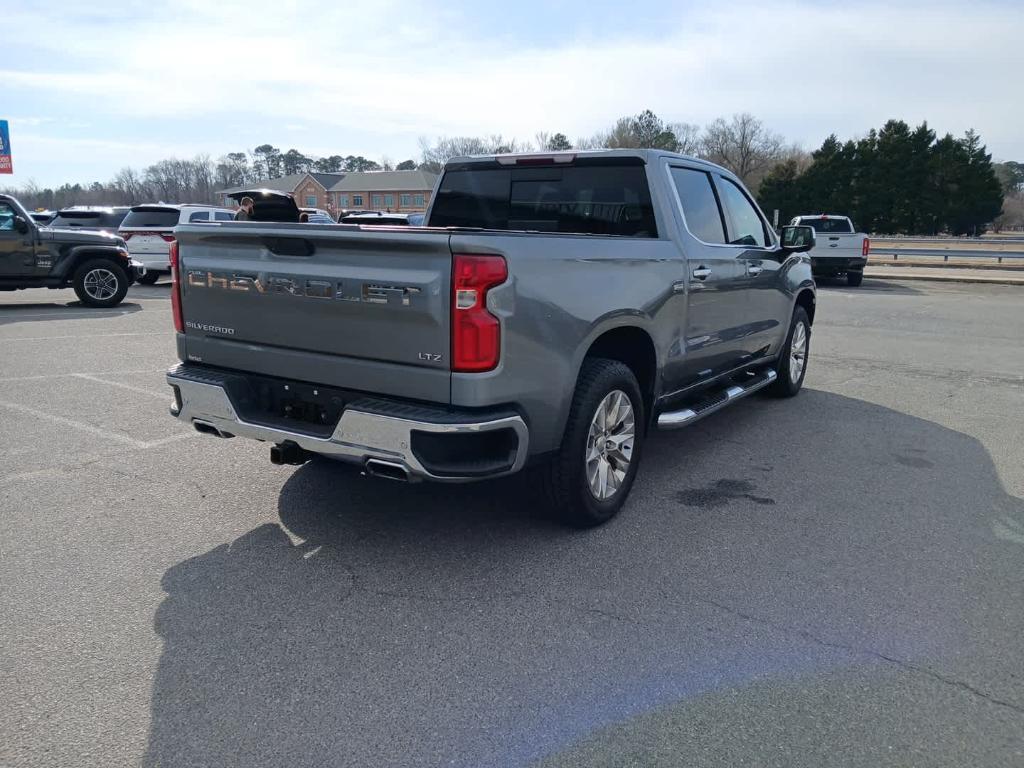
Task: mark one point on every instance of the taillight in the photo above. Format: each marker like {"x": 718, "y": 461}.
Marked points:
{"x": 179, "y": 321}
{"x": 865, "y": 248}
{"x": 476, "y": 333}
{"x": 167, "y": 237}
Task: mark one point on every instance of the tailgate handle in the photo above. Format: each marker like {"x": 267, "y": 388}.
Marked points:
{"x": 289, "y": 246}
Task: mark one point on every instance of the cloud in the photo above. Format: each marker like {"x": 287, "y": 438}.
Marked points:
{"x": 807, "y": 69}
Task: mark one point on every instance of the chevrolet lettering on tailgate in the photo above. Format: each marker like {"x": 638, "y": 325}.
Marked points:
{"x": 369, "y": 293}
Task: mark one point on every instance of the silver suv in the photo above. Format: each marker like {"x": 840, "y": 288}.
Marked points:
{"x": 149, "y": 231}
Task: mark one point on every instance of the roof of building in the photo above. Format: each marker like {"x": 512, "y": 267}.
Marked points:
{"x": 367, "y": 181}
{"x": 286, "y": 183}
{"x": 385, "y": 181}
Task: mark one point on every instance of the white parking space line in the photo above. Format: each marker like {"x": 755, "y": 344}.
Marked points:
{"x": 99, "y": 432}
{"x": 44, "y": 376}
{"x": 141, "y": 390}
{"x": 82, "y": 336}
{"x": 106, "y": 434}
{"x": 62, "y": 315}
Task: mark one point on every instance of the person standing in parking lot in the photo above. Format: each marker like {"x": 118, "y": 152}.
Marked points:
{"x": 244, "y": 212}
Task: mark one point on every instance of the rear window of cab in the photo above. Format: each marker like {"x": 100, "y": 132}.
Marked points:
{"x": 609, "y": 199}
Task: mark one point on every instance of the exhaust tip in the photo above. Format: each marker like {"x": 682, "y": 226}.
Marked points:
{"x": 208, "y": 429}
{"x": 387, "y": 469}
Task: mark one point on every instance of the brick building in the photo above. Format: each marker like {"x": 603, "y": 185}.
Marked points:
{"x": 395, "y": 191}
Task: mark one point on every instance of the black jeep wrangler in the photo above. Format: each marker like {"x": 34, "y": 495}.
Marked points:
{"x": 95, "y": 264}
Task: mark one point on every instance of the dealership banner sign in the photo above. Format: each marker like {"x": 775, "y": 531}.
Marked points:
{"x": 5, "y": 148}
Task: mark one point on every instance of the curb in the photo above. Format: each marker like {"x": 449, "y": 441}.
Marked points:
{"x": 993, "y": 280}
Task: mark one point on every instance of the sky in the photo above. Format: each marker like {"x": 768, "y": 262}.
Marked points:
{"x": 89, "y": 88}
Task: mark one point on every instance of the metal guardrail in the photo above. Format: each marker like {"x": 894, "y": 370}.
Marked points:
{"x": 945, "y": 254}
{"x": 922, "y": 239}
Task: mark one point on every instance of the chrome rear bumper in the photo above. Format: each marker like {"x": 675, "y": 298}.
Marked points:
{"x": 361, "y": 435}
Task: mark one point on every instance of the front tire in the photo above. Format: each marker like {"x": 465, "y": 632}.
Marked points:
{"x": 792, "y": 365}
{"x": 100, "y": 283}
{"x": 590, "y": 477}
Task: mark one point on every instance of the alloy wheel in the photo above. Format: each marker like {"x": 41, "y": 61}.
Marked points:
{"x": 798, "y": 352}
{"x": 610, "y": 445}
{"x": 100, "y": 283}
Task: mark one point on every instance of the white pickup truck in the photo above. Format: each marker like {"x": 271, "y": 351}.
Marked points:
{"x": 839, "y": 249}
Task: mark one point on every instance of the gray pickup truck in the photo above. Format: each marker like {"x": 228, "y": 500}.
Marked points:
{"x": 555, "y": 309}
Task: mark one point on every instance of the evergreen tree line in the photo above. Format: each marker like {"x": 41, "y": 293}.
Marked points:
{"x": 895, "y": 180}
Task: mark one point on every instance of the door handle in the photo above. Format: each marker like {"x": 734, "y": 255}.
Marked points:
{"x": 701, "y": 273}
{"x": 753, "y": 270}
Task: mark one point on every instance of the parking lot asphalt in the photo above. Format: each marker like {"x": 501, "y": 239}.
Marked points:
{"x": 836, "y": 579}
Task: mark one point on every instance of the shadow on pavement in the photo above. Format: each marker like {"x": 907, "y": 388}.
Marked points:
{"x": 870, "y": 285}
{"x": 789, "y": 577}
{"x": 72, "y": 310}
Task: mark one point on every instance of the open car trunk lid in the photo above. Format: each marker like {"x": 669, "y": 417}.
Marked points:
{"x": 340, "y": 307}
{"x": 270, "y": 205}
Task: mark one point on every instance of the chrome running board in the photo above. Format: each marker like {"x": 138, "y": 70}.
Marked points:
{"x": 715, "y": 401}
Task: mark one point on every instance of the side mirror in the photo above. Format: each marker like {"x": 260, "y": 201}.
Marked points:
{"x": 797, "y": 238}
{"x": 21, "y": 225}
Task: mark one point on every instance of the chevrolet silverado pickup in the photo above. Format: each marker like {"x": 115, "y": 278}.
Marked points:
{"x": 96, "y": 264}
{"x": 840, "y": 249}
{"x": 555, "y": 308}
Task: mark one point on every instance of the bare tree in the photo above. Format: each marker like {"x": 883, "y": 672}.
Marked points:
{"x": 619, "y": 137}
{"x": 436, "y": 154}
{"x": 742, "y": 144}
{"x": 130, "y": 186}
{"x": 202, "y": 179}
{"x": 233, "y": 170}
{"x": 688, "y": 137}
{"x": 590, "y": 142}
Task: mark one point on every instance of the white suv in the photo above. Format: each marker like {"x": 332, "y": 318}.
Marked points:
{"x": 149, "y": 230}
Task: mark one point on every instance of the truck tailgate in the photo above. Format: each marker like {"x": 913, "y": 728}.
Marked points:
{"x": 838, "y": 244}
{"x": 357, "y": 309}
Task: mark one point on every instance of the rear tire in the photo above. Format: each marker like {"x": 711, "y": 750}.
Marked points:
{"x": 590, "y": 477}
{"x": 148, "y": 279}
{"x": 100, "y": 283}
{"x": 792, "y": 366}
{"x": 854, "y": 278}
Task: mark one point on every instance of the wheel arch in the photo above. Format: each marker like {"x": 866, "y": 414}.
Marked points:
{"x": 78, "y": 255}
{"x": 807, "y": 299}
{"x": 633, "y": 346}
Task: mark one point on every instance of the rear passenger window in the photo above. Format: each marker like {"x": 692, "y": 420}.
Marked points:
{"x": 606, "y": 199}
{"x": 199, "y": 216}
{"x": 223, "y": 216}
{"x": 745, "y": 225}
{"x": 700, "y": 209}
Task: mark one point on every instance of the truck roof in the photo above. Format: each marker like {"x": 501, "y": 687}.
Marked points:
{"x": 567, "y": 156}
